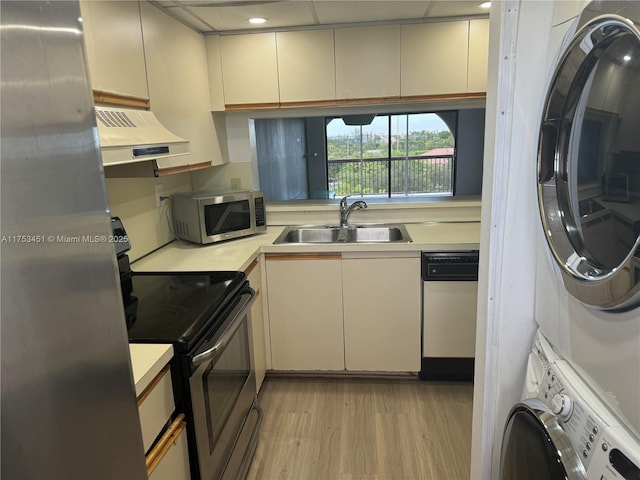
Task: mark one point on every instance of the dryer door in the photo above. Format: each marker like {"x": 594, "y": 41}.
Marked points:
{"x": 534, "y": 446}
{"x": 589, "y": 160}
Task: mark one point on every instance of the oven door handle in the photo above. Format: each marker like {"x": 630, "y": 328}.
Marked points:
{"x": 234, "y": 324}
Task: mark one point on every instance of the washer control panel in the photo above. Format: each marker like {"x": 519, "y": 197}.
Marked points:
{"x": 581, "y": 424}
{"x": 608, "y": 451}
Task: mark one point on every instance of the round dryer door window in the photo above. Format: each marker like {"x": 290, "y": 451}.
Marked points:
{"x": 589, "y": 160}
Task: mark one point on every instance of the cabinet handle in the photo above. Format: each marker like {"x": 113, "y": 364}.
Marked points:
{"x": 147, "y": 391}
{"x": 161, "y": 448}
{"x": 250, "y": 268}
{"x": 119, "y": 100}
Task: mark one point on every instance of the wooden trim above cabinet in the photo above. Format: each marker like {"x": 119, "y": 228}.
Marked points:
{"x": 346, "y": 102}
{"x": 353, "y": 102}
{"x": 119, "y": 100}
{"x": 445, "y": 97}
{"x": 238, "y": 107}
{"x": 163, "y": 172}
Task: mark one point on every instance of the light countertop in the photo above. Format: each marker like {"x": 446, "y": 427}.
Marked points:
{"x": 147, "y": 360}
{"x": 238, "y": 254}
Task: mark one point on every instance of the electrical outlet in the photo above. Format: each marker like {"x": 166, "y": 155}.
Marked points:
{"x": 236, "y": 183}
{"x": 159, "y": 193}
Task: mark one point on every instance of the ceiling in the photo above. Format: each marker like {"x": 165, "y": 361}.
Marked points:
{"x": 218, "y": 16}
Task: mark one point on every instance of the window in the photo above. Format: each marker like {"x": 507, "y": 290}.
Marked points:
{"x": 395, "y": 155}
{"x": 387, "y": 156}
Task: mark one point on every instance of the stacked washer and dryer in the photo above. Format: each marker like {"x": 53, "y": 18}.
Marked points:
{"x": 580, "y": 413}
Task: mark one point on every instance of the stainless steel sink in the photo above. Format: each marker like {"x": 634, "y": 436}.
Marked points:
{"x": 388, "y": 233}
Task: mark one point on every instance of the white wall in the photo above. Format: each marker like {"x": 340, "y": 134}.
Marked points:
{"x": 517, "y": 77}
{"x": 134, "y": 201}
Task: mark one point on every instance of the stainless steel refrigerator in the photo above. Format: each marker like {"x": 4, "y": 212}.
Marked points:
{"x": 68, "y": 407}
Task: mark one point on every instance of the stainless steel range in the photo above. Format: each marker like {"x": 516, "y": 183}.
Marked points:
{"x": 206, "y": 316}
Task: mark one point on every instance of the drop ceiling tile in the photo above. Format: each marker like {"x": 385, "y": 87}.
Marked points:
{"x": 355, "y": 11}
{"x": 165, "y": 3}
{"x": 187, "y": 18}
{"x": 231, "y": 15}
{"x": 279, "y": 14}
{"x": 441, "y": 9}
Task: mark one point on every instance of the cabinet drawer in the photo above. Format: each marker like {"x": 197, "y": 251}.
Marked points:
{"x": 155, "y": 406}
{"x": 169, "y": 459}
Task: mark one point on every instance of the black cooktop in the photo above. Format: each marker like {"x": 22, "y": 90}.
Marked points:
{"x": 179, "y": 308}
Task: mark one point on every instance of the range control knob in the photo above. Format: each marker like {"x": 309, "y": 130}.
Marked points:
{"x": 562, "y": 406}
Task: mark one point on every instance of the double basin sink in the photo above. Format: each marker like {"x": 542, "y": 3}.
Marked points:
{"x": 387, "y": 233}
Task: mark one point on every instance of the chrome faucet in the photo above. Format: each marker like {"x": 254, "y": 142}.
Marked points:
{"x": 345, "y": 210}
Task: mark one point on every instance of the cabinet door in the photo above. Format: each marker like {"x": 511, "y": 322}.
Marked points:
{"x": 179, "y": 87}
{"x": 155, "y": 406}
{"x": 249, "y": 68}
{"x": 257, "y": 324}
{"x": 305, "y": 312}
{"x": 115, "y": 55}
{"x": 478, "y": 55}
{"x": 382, "y": 313}
{"x": 367, "y": 62}
{"x": 306, "y": 68}
{"x": 434, "y": 58}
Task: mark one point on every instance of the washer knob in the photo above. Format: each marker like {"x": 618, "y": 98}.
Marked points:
{"x": 562, "y": 406}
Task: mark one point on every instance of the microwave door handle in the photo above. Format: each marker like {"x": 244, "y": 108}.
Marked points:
{"x": 214, "y": 351}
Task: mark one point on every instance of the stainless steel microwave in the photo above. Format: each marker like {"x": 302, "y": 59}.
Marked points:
{"x": 209, "y": 216}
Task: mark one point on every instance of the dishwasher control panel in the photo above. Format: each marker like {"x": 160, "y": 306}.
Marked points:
{"x": 450, "y": 266}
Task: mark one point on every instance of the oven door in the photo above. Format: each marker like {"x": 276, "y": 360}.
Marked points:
{"x": 223, "y": 388}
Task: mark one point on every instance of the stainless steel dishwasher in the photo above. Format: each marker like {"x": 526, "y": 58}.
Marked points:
{"x": 449, "y": 298}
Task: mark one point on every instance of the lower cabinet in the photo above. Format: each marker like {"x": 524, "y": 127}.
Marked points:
{"x": 334, "y": 312}
{"x": 167, "y": 457}
{"x": 381, "y": 298}
{"x": 305, "y": 311}
{"x": 254, "y": 276}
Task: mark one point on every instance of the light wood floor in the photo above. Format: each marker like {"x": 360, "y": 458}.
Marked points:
{"x": 357, "y": 429}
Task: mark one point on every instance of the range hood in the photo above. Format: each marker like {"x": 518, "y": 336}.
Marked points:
{"x": 128, "y": 136}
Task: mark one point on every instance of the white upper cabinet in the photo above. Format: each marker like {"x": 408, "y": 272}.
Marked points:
{"x": 214, "y": 62}
{"x": 249, "y": 68}
{"x": 176, "y": 59}
{"x": 478, "y": 55}
{"x": 306, "y": 67}
{"x": 348, "y": 64}
{"x": 434, "y": 58}
{"x": 115, "y": 55}
{"x": 367, "y": 62}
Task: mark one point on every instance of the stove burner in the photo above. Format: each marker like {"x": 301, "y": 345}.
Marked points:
{"x": 167, "y": 315}
{"x": 180, "y": 307}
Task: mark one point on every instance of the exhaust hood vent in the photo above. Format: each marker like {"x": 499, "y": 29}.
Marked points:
{"x": 128, "y": 136}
